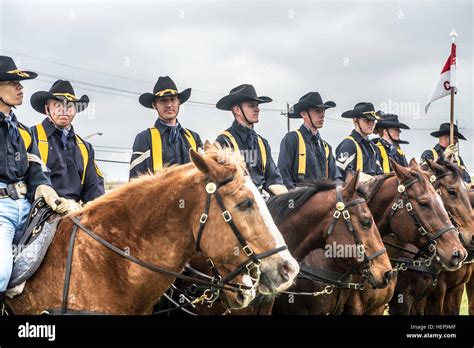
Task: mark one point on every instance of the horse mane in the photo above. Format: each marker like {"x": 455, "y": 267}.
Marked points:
{"x": 278, "y": 205}
{"x": 141, "y": 185}
{"x": 451, "y": 166}
{"x": 369, "y": 188}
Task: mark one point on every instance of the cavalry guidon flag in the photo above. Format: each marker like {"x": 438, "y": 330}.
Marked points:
{"x": 446, "y": 80}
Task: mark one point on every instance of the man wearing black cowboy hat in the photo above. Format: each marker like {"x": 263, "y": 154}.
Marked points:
{"x": 357, "y": 151}
{"x": 304, "y": 156}
{"x": 167, "y": 142}
{"x": 449, "y": 151}
{"x": 243, "y": 102}
{"x": 70, "y": 159}
{"x": 22, "y": 173}
{"x": 389, "y": 129}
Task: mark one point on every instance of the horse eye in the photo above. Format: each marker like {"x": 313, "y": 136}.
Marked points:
{"x": 366, "y": 223}
{"x": 423, "y": 204}
{"x": 452, "y": 193}
{"x": 247, "y": 204}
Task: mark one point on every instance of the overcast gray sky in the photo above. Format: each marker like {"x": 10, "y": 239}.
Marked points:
{"x": 386, "y": 52}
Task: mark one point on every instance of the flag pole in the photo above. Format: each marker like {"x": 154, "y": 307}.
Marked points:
{"x": 453, "y": 35}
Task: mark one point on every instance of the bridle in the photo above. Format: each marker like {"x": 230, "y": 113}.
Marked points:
{"x": 402, "y": 200}
{"x": 251, "y": 266}
{"x": 434, "y": 179}
{"x": 336, "y": 279}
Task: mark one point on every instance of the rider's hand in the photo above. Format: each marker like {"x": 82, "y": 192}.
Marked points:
{"x": 450, "y": 151}
{"x": 68, "y": 206}
{"x": 50, "y": 196}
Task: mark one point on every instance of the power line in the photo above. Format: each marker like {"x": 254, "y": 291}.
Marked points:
{"x": 101, "y": 72}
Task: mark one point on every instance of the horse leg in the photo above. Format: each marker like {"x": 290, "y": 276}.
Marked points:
{"x": 435, "y": 302}
{"x": 401, "y": 303}
{"x": 418, "y": 308}
{"x": 470, "y": 291}
{"x": 452, "y": 301}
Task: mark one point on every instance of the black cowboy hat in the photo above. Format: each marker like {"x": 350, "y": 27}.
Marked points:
{"x": 363, "y": 109}
{"x": 240, "y": 94}
{"x": 444, "y": 130}
{"x": 60, "y": 90}
{"x": 390, "y": 121}
{"x": 308, "y": 101}
{"x": 164, "y": 87}
{"x": 401, "y": 142}
{"x": 9, "y": 71}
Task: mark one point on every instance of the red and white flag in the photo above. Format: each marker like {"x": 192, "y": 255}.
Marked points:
{"x": 447, "y": 79}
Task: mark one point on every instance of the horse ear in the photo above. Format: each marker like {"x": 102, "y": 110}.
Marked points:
{"x": 199, "y": 161}
{"x": 351, "y": 185}
{"x": 207, "y": 145}
{"x": 435, "y": 167}
{"x": 349, "y": 176}
{"x": 401, "y": 172}
{"x": 414, "y": 164}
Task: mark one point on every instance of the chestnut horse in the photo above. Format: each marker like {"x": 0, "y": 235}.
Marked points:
{"x": 304, "y": 217}
{"x": 470, "y": 283}
{"x": 445, "y": 293}
{"x": 408, "y": 206}
{"x": 159, "y": 220}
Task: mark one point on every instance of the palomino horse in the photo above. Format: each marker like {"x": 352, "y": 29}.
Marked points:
{"x": 159, "y": 220}
{"x": 408, "y": 206}
{"x": 306, "y": 218}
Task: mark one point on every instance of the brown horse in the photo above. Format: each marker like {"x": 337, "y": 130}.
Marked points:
{"x": 309, "y": 242}
{"x": 444, "y": 289}
{"x": 446, "y": 299}
{"x": 408, "y": 206}
{"x": 303, "y": 216}
{"x": 157, "y": 219}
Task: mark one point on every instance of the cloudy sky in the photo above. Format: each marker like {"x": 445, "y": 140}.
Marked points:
{"x": 386, "y": 52}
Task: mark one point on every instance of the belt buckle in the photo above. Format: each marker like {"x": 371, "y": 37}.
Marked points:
{"x": 21, "y": 188}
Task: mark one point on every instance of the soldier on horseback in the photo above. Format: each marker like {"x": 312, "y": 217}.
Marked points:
{"x": 389, "y": 129}
{"x": 449, "y": 151}
{"x": 304, "y": 156}
{"x": 22, "y": 173}
{"x": 357, "y": 151}
{"x": 243, "y": 102}
{"x": 70, "y": 159}
{"x": 167, "y": 142}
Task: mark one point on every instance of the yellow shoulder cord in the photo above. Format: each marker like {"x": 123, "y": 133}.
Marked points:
{"x": 360, "y": 160}
{"x": 232, "y": 140}
{"x": 85, "y": 156}
{"x": 26, "y": 137}
{"x": 156, "y": 150}
{"x": 43, "y": 146}
{"x": 190, "y": 138}
{"x": 263, "y": 152}
{"x": 326, "y": 150}
{"x": 301, "y": 155}
{"x": 385, "y": 160}
{"x": 435, "y": 154}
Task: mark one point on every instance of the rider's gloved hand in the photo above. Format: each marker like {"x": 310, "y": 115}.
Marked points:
{"x": 450, "y": 151}
{"x": 50, "y": 197}
{"x": 69, "y": 205}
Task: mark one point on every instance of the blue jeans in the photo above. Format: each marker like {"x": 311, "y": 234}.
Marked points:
{"x": 13, "y": 214}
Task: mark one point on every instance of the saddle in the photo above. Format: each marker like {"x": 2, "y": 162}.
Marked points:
{"x": 33, "y": 242}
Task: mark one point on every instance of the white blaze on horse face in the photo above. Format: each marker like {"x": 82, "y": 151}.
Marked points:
{"x": 277, "y": 237}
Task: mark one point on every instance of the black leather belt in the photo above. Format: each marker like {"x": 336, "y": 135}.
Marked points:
{"x": 14, "y": 190}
